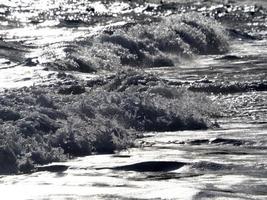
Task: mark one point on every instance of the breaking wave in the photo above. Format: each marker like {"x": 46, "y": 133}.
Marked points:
{"x": 42, "y": 124}
{"x": 159, "y": 44}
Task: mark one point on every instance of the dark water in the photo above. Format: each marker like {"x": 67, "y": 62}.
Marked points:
{"x": 226, "y": 163}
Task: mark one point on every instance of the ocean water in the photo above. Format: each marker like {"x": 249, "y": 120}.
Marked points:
{"x": 217, "y": 47}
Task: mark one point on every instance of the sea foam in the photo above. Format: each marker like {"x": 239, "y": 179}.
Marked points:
{"x": 159, "y": 44}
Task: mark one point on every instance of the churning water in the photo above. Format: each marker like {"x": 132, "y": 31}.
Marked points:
{"x": 218, "y": 47}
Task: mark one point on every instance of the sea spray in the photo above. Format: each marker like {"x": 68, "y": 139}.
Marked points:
{"x": 47, "y": 125}
{"x": 159, "y": 44}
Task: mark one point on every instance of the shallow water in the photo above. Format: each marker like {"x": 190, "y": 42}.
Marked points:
{"x": 239, "y": 171}
{"x": 225, "y": 163}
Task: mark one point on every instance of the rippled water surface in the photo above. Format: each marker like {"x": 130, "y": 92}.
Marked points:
{"x": 229, "y": 162}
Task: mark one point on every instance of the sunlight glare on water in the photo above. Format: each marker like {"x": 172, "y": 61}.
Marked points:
{"x": 226, "y": 162}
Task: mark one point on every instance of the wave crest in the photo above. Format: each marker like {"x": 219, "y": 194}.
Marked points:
{"x": 161, "y": 44}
